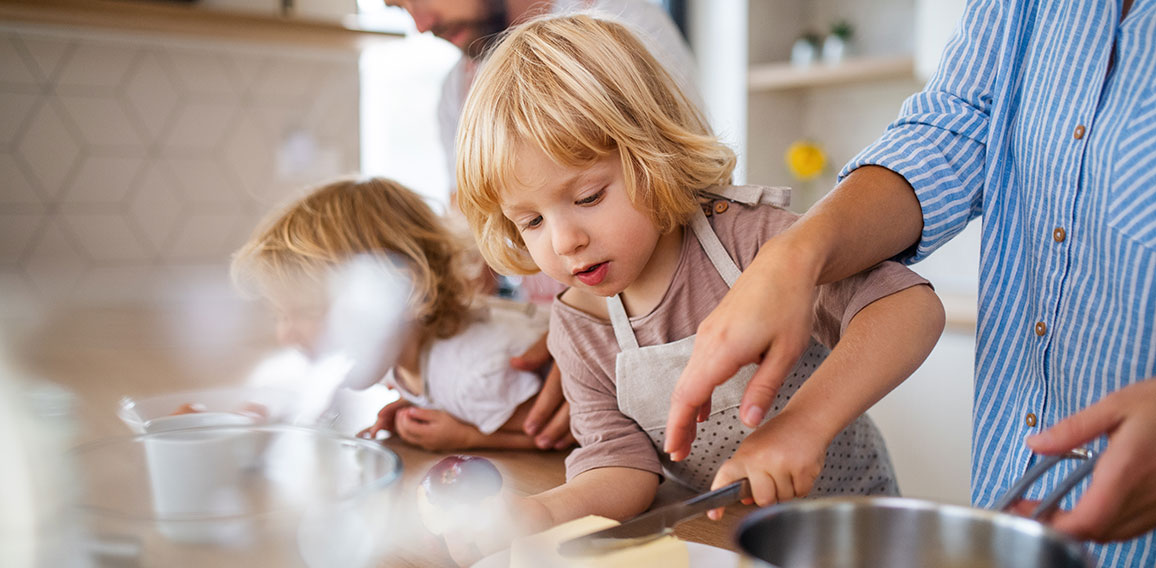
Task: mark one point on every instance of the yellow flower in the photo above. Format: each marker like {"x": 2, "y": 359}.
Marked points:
{"x": 805, "y": 160}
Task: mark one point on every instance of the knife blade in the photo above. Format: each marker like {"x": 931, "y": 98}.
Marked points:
{"x": 654, "y": 524}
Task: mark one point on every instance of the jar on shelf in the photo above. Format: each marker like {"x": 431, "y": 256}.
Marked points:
{"x": 835, "y": 44}
{"x": 805, "y": 50}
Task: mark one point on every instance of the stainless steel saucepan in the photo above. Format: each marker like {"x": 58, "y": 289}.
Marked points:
{"x": 861, "y": 532}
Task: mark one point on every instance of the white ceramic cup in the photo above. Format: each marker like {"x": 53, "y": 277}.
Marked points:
{"x": 196, "y": 474}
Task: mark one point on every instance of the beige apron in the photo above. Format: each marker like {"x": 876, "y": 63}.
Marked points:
{"x": 857, "y": 461}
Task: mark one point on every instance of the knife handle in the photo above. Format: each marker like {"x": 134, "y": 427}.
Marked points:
{"x": 726, "y": 495}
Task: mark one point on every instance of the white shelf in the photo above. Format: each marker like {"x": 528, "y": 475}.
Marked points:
{"x": 188, "y": 18}
{"x": 784, "y": 76}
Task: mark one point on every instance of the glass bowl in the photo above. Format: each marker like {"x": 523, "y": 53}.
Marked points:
{"x": 244, "y": 495}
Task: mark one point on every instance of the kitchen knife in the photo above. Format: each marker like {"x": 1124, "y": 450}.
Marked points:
{"x": 655, "y": 524}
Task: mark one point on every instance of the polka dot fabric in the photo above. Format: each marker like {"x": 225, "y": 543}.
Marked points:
{"x": 857, "y": 461}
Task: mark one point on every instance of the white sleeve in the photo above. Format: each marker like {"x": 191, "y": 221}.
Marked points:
{"x": 470, "y": 377}
{"x": 489, "y": 400}
{"x": 453, "y": 98}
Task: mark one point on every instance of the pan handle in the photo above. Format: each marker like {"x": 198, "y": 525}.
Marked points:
{"x": 1051, "y": 500}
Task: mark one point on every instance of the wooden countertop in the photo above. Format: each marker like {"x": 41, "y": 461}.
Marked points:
{"x": 103, "y": 354}
{"x": 527, "y": 473}
{"x": 187, "y": 19}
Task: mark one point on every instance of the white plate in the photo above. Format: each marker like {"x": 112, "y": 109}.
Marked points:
{"x": 701, "y": 556}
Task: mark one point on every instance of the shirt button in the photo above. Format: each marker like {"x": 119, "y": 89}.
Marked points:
{"x": 720, "y": 206}
{"x": 1041, "y": 328}
{"x": 1030, "y": 420}
{"x": 1079, "y": 133}
{"x": 1059, "y": 234}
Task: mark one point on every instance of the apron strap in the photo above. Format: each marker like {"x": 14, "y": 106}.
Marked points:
{"x": 621, "y": 322}
{"x": 718, "y": 254}
{"x": 752, "y": 194}
{"x": 719, "y": 257}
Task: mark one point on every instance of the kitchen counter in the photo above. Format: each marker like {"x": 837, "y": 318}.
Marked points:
{"x": 527, "y": 473}
{"x": 103, "y": 354}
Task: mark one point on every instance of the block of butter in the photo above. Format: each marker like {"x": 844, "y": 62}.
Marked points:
{"x": 541, "y": 550}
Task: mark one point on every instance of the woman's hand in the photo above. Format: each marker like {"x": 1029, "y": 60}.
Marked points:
{"x": 434, "y": 430}
{"x": 766, "y": 318}
{"x": 781, "y": 459}
{"x": 548, "y": 421}
{"x": 385, "y": 419}
{"x": 870, "y": 216}
{"x": 1120, "y": 503}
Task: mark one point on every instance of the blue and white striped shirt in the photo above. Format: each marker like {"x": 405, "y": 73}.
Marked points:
{"x": 1030, "y": 123}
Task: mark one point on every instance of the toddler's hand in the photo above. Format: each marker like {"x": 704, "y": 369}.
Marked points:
{"x": 386, "y": 418}
{"x": 434, "y": 430}
{"x": 782, "y": 459}
{"x": 549, "y": 418}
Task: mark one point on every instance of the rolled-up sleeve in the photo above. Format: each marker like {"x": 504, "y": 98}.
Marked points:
{"x": 938, "y": 143}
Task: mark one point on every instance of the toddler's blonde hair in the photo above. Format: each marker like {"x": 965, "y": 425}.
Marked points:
{"x": 580, "y": 88}
{"x": 302, "y": 244}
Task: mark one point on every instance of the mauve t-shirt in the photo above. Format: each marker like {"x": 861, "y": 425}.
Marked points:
{"x": 584, "y": 346}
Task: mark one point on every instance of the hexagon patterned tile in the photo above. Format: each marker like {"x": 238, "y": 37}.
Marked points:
{"x": 125, "y": 157}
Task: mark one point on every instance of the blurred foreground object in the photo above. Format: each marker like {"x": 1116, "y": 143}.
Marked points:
{"x": 245, "y": 495}
{"x": 35, "y": 429}
{"x": 456, "y": 490}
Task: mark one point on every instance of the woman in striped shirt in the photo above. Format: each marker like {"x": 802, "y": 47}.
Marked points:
{"x": 1042, "y": 119}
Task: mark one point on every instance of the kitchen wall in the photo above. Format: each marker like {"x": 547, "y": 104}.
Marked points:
{"x": 132, "y": 164}
{"x": 841, "y": 118}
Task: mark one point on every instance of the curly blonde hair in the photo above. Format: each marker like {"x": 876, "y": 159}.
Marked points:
{"x": 580, "y": 88}
{"x": 311, "y": 237}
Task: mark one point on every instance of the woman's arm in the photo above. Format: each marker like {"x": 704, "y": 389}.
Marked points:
{"x": 882, "y": 345}
{"x": 938, "y": 144}
{"x": 871, "y": 216}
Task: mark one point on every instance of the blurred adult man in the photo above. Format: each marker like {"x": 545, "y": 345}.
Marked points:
{"x": 473, "y": 25}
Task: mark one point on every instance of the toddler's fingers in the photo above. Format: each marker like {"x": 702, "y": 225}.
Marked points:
{"x": 419, "y": 415}
{"x": 547, "y": 403}
{"x": 404, "y": 428}
{"x": 556, "y": 429}
{"x": 784, "y": 488}
{"x": 566, "y": 441}
{"x": 723, "y": 478}
{"x": 763, "y": 489}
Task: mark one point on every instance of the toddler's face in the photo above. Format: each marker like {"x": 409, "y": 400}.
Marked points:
{"x": 300, "y": 322}
{"x": 579, "y": 224}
